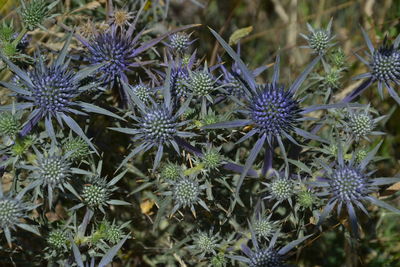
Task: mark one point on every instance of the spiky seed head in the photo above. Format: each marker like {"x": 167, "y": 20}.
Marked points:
{"x": 79, "y": 147}
{"x": 235, "y": 87}
{"x": 205, "y": 242}
{"x": 319, "y": 40}
{"x": 53, "y": 89}
{"x": 171, "y": 171}
{"x": 281, "y": 189}
{"x": 9, "y": 124}
{"x": 121, "y": 17}
{"x": 180, "y": 41}
{"x": 114, "y": 234}
{"x": 361, "y": 124}
{"x": 54, "y": 170}
{"x": 34, "y": 13}
{"x": 179, "y": 83}
{"x": 385, "y": 63}
{"x": 361, "y": 154}
{"x": 201, "y": 83}
{"x": 348, "y": 183}
{"x": 142, "y": 91}
{"x": 338, "y": 58}
{"x": 273, "y": 110}
{"x": 266, "y": 258}
{"x": 212, "y": 159}
{"x": 306, "y": 199}
{"x": 11, "y": 211}
{"x": 95, "y": 194}
{"x": 57, "y": 239}
{"x": 159, "y": 125}
{"x": 186, "y": 192}
{"x": 263, "y": 227}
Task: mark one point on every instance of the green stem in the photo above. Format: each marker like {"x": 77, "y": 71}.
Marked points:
{"x": 20, "y": 36}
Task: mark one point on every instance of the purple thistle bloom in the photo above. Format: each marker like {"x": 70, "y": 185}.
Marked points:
{"x": 384, "y": 68}
{"x": 349, "y": 185}
{"x": 51, "y": 91}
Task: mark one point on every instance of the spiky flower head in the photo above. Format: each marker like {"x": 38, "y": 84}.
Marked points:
{"x": 35, "y": 12}
{"x": 180, "y": 41}
{"x": 96, "y": 193}
{"x": 206, "y": 243}
{"x": 114, "y": 234}
{"x": 57, "y": 239}
{"x": 361, "y": 124}
{"x": 9, "y": 124}
{"x": 180, "y": 83}
{"x": 78, "y": 148}
{"x": 171, "y": 171}
{"x": 361, "y": 155}
{"x": 159, "y": 125}
{"x": 212, "y": 158}
{"x": 218, "y": 260}
{"x": 281, "y": 189}
{"x": 385, "y": 63}
{"x": 264, "y": 227}
{"x": 186, "y": 191}
{"x": 201, "y": 83}
{"x": 332, "y": 78}
{"x": 11, "y": 211}
{"x": 143, "y": 92}
{"x": 348, "y": 184}
{"x": 338, "y": 58}
{"x": 306, "y": 199}
{"x": 266, "y": 258}
{"x": 273, "y": 110}
{"x": 8, "y": 49}
{"x": 121, "y": 17}
{"x": 54, "y": 170}
{"x": 384, "y": 68}
{"x": 6, "y": 32}
{"x": 319, "y": 40}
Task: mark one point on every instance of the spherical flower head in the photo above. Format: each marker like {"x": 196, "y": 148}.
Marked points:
{"x": 121, "y": 17}
{"x": 210, "y": 119}
{"x": 201, "y": 83}
{"x": 338, "y": 58}
{"x": 54, "y": 170}
{"x": 34, "y": 13}
{"x": 180, "y": 41}
{"x": 186, "y": 192}
{"x": 114, "y": 234}
{"x": 114, "y": 50}
{"x": 361, "y": 154}
{"x": 263, "y": 227}
{"x": 332, "y": 78}
{"x": 319, "y": 40}
{"x": 385, "y": 64}
{"x": 266, "y": 258}
{"x": 218, "y": 260}
{"x": 306, "y": 199}
{"x": 159, "y": 125}
{"x": 273, "y": 110}
{"x": 348, "y": 183}
{"x": 142, "y": 91}
{"x": 281, "y": 189}
{"x": 212, "y": 159}
{"x": 171, "y": 171}
{"x": 205, "y": 242}
{"x": 57, "y": 239}
{"x": 179, "y": 83}
{"x": 9, "y": 124}
{"x": 95, "y": 194}
{"x": 53, "y": 89}
{"x": 11, "y": 211}
{"x": 79, "y": 148}
{"x": 361, "y": 124}
{"x": 235, "y": 87}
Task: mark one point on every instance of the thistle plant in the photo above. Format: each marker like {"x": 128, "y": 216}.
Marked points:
{"x": 51, "y": 92}
{"x": 34, "y": 13}
{"x": 12, "y": 210}
{"x": 9, "y": 124}
{"x": 205, "y": 243}
{"x": 76, "y": 147}
{"x": 319, "y": 40}
{"x": 384, "y": 68}
{"x": 281, "y": 188}
{"x": 349, "y": 185}
{"x": 180, "y": 42}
